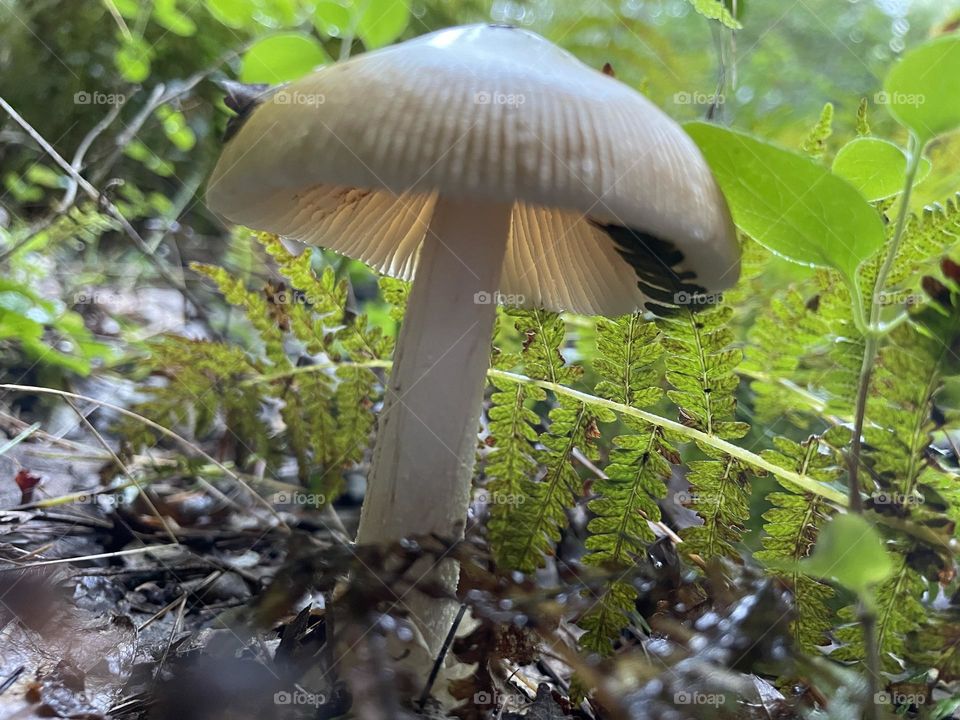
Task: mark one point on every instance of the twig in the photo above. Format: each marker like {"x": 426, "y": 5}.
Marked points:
{"x": 438, "y": 662}
{"x": 23, "y": 435}
{"x": 161, "y": 429}
{"x": 80, "y": 153}
{"x": 126, "y": 471}
{"x": 111, "y": 209}
{"x": 85, "y": 558}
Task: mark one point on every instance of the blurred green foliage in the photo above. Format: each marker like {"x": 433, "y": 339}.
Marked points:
{"x": 126, "y": 92}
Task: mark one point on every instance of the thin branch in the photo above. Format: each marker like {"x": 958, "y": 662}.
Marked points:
{"x": 111, "y": 209}
{"x": 70, "y": 195}
{"x": 159, "y": 428}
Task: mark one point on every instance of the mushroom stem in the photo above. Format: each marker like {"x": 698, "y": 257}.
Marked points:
{"x": 426, "y": 443}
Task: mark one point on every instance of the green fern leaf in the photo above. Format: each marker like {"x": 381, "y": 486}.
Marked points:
{"x": 700, "y": 363}
{"x": 537, "y": 521}
{"x": 899, "y": 613}
{"x": 791, "y": 528}
{"x": 816, "y": 143}
{"x": 635, "y": 475}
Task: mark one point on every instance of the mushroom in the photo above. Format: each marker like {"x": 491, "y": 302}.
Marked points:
{"x": 488, "y": 165}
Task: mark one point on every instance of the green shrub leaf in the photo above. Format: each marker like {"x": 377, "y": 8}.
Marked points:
{"x": 921, "y": 90}
{"x": 790, "y": 204}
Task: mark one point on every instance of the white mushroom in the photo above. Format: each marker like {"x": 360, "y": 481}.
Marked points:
{"x": 484, "y": 163}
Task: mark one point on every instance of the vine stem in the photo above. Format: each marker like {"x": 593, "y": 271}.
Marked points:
{"x": 874, "y": 330}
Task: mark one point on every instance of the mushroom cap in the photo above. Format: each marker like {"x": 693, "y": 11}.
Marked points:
{"x": 613, "y": 204}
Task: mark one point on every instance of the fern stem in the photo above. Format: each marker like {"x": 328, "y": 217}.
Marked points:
{"x": 752, "y": 459}
{"x": 808, "y": 484}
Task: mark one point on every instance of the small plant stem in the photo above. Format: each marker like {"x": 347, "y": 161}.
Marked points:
{"x": 871, "y": 345}
{"x": 869, "y": 621}
{"x": 874, "y": 330}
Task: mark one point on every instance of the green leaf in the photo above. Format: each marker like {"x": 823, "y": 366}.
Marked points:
{"x": 850, "y": 551}
{"x": 133, "y": 60}
{"x": 332, "y": 18}
{"x": 47, "y": 177}
{"x": 176, "y": 128}
{"x": 281, "y": 57}
{"x": 875, "y": 167}
{"x": 232, "y": 13}
{"x": 788, "y": 203}
{"x": 921, "y": 90}
{"x": 169, "y": 16}
{"x": 381, "y": 21}
{"x": 716, "y": 10}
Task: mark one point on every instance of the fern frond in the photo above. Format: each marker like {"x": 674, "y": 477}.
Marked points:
{"x": 926, "y": 238}
{"x": 838, "y": 369}
{"x": 899, "y": 613}
{"x": 791, "y": 528}
{"x": 905, "y": 379}
{"x": 327, "y": 413}
{"x": 700, "y": 363}
{"x": 255, "y": 307}
{"x": 816, "y": 143}
{"x": 635, "y": 475}
{"x": 511, "y": 461}
{"x": 540, "y": 513}
{"x": 395, "y": 292}
{"x": 775, "y": 355}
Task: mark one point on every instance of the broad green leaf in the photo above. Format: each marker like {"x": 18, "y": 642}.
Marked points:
{"x": 381, "y": 21}
{"x": 850, "y": 551}
{"x": 716, "y": 10}
{"x": 922, "y": 89}
{"x": 232, "y": 13}
{"x": 788, "y": 203}
{"x": 332, "y": 18}
{"x": 875, "y": 167}
{"x": 281, "y": 57}
{"x": 281, "y": 13}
